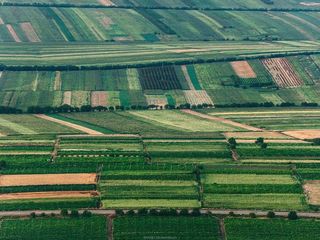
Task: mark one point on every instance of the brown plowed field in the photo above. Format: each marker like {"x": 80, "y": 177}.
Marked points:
{"x": 67, "y": 97}
{"x": 243, "y": 69}
{"x": 99, "y": 98}
{"x": 304, "y": 134}
{"x": 47, "y": 179}
{"x": 39, "y": 195}
{"x": 255, "y": 135}
{"x": 29, "y": 31}
{"x": 13, "y": 33}
{"x": 312, "y": 189}
{"x": 106, "y": 3}
{"x": 282, "y": 72}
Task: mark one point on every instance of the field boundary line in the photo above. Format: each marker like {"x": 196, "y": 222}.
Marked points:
{"x": 68, "y": 124}
{"x": 222, "y": 120}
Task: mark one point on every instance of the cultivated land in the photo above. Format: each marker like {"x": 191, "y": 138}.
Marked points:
{"x": 161, "y": 118}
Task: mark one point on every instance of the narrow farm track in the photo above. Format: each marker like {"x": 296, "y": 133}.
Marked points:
{"x": 110, "y": 226}
{"x": 222, "y": 229}
{"x": 68, "y": 124}
{"x": 222, "y": 120}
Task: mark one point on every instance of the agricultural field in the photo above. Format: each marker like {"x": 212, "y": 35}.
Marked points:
{"x": 159, "y": 119}
{"x": 54, "y": 228}
{"x": 281, "y": 229}
{"x": 132, "y": 228}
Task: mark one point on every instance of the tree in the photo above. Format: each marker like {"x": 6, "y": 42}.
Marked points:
{"x": 33, "y": 215}
{"x": 264, "y": 145}
{"x": 292, "y": 215}
{"x": 74, "y": 213}
{"x": 3, "y": 164}
{"x": 271, "y": 214}
{"x": 259, "y": 141}
{"x": 64, "y": 212}
{"x": 232, "y": 143}
{"x": 86, "y": 213}
{"x": 315, "y": 142}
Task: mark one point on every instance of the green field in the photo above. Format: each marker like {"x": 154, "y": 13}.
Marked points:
{"x": 54, "y": 228}
{"x": 132, "y": 228}
{"x": 277, "y": 229}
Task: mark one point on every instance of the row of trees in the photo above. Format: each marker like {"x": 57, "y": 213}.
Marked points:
{"x": 88, "y": 108}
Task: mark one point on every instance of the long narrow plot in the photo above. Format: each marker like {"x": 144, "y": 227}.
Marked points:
{"x": 222, "y": 120}
{"x": 68, "y": 124}
{"x": 47, "y": 179}
{"x": 47, "y": 195}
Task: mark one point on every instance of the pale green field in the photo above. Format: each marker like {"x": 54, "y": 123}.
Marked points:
{"x": 147, "y": 183}
{"x": 150, "y": 203}
{"x": 256, "y": 201}
{"x": 181, "y": 121}
{"x": 248, "y": 179}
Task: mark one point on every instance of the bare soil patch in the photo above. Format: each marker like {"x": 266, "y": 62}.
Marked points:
{"x": 39, "y": 195}
{"x": 29, "y": 31}
{"x": 312, "y": 189}
{"x": 47, "y": 179}
{"x": 13, "y": 33}
{"x": 310, "y": 4}
{"x": 243, "y": 69}
{"x": 106, "y": 3}
{"x": 159, "y": 100}
{"x": 255, "y": 135}
{"x": 99, "y": 98}
{"x": 67, "y": 97}
{"x": 1, "y": 21}
{"x": 68, "y": 124}
{"x": 304, "y": 134}
{"x": 223, "y": 120}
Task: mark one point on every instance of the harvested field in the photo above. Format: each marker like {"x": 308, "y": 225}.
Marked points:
{"x": 67, "y": 97}
{"x": 243, "y": 69}
{"x": 106, "y": 3}
{"x": 255, "y": 135}
{"x": 158, "y": 100}
{"x": 304, "y": 134}
{"x": 57, "y": 82}
{"x": 46, "y": 195}
{"x": 282, "y": 72}
{"x": 197, "y": 97}
{"x": 222, "y": 120}
{"x": 187, "y": 77}
{"x": 68, "y": 124}
{"x": 99, "y": 98}
{"x": 29, "y": 31}
{"x": 13, "y": 33}
{"x": 310, "y": 4}
{"x": 47, "y": 179}
{"x": 312, "y": 189}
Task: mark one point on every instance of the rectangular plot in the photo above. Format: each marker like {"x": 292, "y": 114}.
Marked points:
{"x": 243, "y": 69}
{"x": 29, "y": 31}
{"x": 99, "y": 98}
{"x": 163, "y": 78}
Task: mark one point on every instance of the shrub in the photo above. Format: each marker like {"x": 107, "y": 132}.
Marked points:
{"x": 142, "y": 211}
{"x": 74, "y": 213}
{"x": 292, "y": 215}
{"x": 86, "y": 213}
{"x": 33, "y": 215}
{"x": 64, "y": 212}
{"x": 184, "y": 212}
{"x": 119, "y": 212}
{"x": 252, "y": 215}
{"x": 271, "y": 214}
{"x": 196, "y": 212}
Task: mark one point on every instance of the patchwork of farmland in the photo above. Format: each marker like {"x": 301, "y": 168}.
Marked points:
{"x": 259, "y": 81}
{"x": 45, "y": 24}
